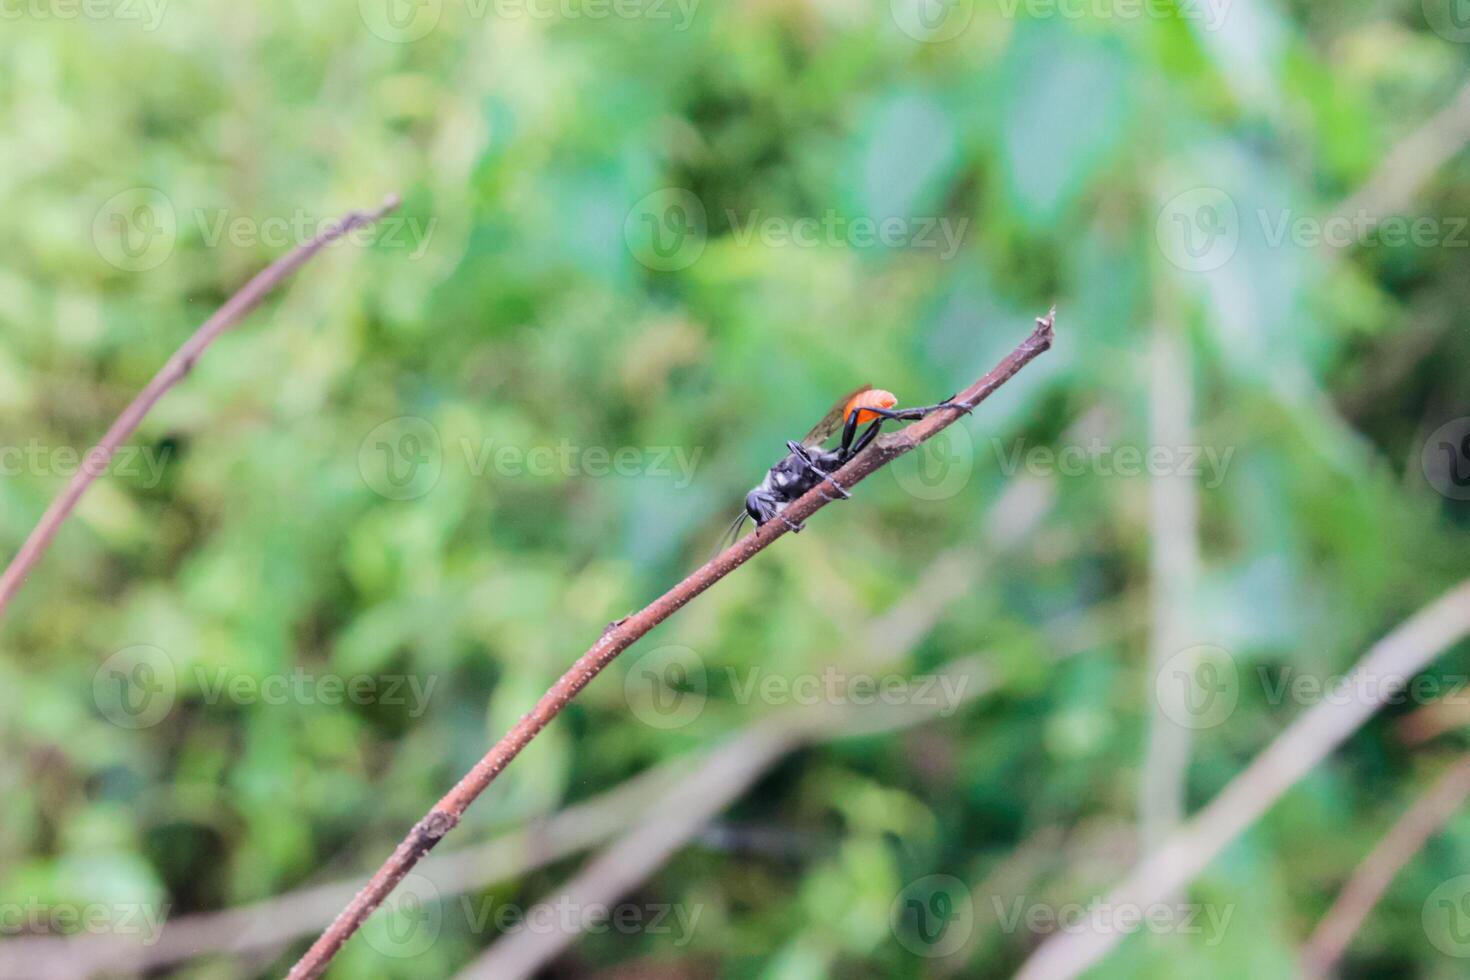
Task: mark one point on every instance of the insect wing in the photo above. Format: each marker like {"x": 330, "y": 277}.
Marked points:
{"x": 832, "y": 421}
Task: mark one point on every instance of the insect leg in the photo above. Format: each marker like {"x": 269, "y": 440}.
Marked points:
{"x": 869, "y": 434}
{"x": 800, "y": 452}
{"x": 849, "y": 448}
{"x": 913, "y": 414}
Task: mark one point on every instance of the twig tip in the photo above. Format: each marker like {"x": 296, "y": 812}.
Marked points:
{"x": 1045, "y": 326}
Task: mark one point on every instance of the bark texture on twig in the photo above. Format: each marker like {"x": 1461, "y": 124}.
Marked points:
{"x": 618, "y": 637}
{"x": 174, "y": 370}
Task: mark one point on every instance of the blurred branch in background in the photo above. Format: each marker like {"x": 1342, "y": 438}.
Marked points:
{"x": 1173, "y": 583}
{"x": 1295, "y": 752}
{"x": 622, "y": 634}
{"x": 1412, "y": 161}
{"x": 671, "y": 822}
{"x": 269, "y": 924}
{"x": 174, "y": 370}
{"x": 1428, "y": 814}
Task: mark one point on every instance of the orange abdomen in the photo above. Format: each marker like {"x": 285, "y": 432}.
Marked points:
{"x": 872, "y": 398}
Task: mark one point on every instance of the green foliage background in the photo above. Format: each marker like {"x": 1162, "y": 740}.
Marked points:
{"x": 524, "y": 313}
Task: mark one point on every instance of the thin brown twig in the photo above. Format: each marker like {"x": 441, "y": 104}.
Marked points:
{"x": 622, "y": 634}
{"x": 174, "y": 370}
{"x": 1371, "y": 878}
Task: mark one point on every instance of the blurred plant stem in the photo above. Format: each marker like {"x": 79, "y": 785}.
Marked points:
{"x": 1295, "y": 752}
{"x": 1428, "y": 814}
{"x": 1173, "y": 581}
